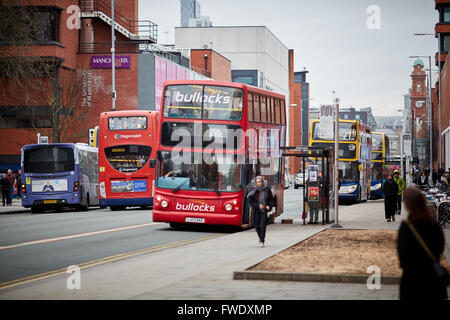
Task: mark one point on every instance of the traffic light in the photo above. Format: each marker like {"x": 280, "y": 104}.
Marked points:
{"x": 91, "y": 137}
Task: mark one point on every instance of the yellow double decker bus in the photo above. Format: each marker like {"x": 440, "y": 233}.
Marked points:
{"x": 355, "y": 144}
{"x": 379, "y": 154}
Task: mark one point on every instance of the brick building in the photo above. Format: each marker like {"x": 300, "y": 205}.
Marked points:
{"x": 298, "y": 111}
{"x": 441, "y": 118}
{"x": 211, "y": 64}
{"x": 75, "y": 84}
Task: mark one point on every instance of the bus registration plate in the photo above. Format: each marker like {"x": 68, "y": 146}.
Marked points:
{"x": 49, "y": 201}
{"x": 196, "y": 220}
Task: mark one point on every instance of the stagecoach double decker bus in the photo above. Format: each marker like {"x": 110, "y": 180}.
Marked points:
{"x": 127, "y": 143}
{"x": 355, "y": 143}
{"x": 216, "y": 137}
{"x": 379, "y": 154}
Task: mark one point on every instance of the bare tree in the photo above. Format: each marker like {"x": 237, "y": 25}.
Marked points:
{"x": 49, "y": 90}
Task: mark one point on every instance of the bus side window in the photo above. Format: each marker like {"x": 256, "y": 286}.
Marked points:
{"x": 283, "y": 112}
{"x": 263, "y": 109}
{"x": 277, "y": 111}
{"x": 272, "y": 110}
{"x": 256, "y": 109}
{"x": 250, "y": 106}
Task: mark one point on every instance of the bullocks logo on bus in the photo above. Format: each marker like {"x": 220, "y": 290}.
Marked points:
{"x": 194, "y": 207}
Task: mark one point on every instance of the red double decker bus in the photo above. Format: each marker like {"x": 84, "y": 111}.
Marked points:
{"x": 215, "y": 138}
{"x": 127, "y": 143}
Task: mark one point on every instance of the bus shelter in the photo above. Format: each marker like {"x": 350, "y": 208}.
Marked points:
{"x": 318, "y": 191}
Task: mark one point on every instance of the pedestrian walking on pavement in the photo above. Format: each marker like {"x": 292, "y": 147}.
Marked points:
{"x": 434, "y": 176}
{"x": 19, "y": 184}
{"x": 423, "y": 181}
{"x": 420, "y": 244}
{"x": 261, "y": 201}
{"x": 4, "y": 186}
{"x": 11, "y": 180}
{"x": 401, "y": 186}
{"x": 390, "y": 191}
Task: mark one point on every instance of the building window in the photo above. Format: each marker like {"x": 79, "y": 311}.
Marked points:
{"x": 34, "y": 24}
{"x": 357, "y": 117}
{"x": 445, "y": 43}
{"x": 446, "y": 15}
{"x": 346, "y": 116}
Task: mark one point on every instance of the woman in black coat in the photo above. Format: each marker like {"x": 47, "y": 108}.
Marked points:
{"x": 419, "y": 279}
{"x": 390, "y": 191}
{"x": 261, "y": 201}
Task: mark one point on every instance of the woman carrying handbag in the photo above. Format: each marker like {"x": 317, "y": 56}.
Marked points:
{"x": 420, "y": 245}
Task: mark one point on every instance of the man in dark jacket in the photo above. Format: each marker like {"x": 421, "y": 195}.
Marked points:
{"x": 4, "y": 185}
{"x": 390, "y": 191}
{"x": 261, "y": 201}
{"x": 11, "y": 180}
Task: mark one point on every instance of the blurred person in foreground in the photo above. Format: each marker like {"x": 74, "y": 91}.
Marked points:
{"x": 420, "y": 245}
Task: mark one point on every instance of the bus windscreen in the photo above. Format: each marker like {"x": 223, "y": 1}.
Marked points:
{"x": 49, "y": 159}
{"x": 203, "y": 102}
{"x": 224, "y": 136}
{"x": 347, "y": 132}
{"x": 127, "y": 123}
{"x": 128, "y": 158}
{"x": 377, "y": 142}
{"x": 221, "y": 174}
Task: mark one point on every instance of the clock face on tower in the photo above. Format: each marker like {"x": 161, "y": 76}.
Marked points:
{"x": 419, "y": 104}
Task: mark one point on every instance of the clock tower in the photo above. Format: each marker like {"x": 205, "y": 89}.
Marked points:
{"x": 419, "y": 112}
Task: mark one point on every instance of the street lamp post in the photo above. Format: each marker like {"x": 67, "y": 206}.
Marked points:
{"x": 336, "y": 167}
{"x": 113, "y": 59}
{"x": 439, "y": 98}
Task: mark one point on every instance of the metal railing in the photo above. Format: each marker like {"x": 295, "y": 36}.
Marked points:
{"x": 141, "y": 28}
{"x": 204, "y": 72}
{"x": 105, "y": 47}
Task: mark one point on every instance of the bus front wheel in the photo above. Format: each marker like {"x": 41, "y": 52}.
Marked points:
{"x": 359, "y": 196}
{"x": 117, "y": 208}
{"x": 37, "y": 209}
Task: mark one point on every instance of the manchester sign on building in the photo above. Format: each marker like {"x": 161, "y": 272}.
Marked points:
{"x": 104, "y": 62}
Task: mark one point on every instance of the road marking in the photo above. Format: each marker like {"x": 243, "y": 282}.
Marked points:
{"x": 292, "y": 203}
{"x": 97, "y": 262}
{"x": 79, "y": 235}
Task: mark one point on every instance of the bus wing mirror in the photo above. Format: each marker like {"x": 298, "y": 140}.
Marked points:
{"x": 152, "y": 163}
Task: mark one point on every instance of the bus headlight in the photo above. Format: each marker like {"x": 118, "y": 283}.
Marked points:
{"x": 164, "y": 203}
{"x": 228, "y": 207}
{"x": 351, "y": 189}
{"x": 102, "y": 189}
{"x": 376, "y": 187}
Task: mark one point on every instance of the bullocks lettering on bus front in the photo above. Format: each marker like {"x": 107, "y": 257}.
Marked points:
{"x": 127, "y": 151}
{"x": 216, "y": 137}
{"x": 355, "y": 145}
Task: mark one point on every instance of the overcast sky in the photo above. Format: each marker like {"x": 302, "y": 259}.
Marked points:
{"x": 366, "y": 67}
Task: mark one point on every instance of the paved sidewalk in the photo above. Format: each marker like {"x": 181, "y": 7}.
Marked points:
{"x": 16, "y": 207}
{"x": 204, "y": 270}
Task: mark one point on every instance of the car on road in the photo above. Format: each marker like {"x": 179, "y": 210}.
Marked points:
{"x": 298, "y": 181}
{"x": 287, "y": 180}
